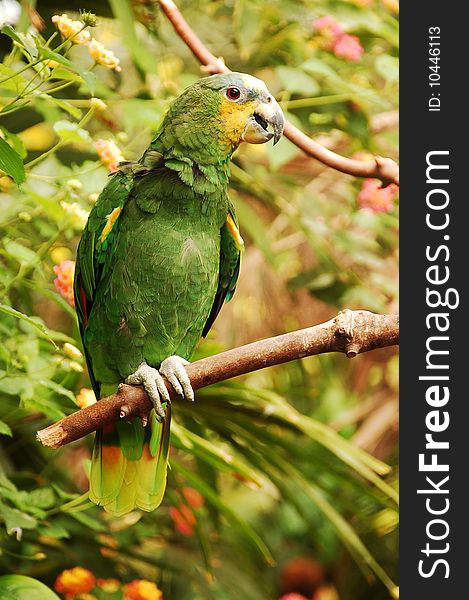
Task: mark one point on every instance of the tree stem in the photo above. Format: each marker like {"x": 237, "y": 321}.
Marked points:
{"x": 350, "y": 332}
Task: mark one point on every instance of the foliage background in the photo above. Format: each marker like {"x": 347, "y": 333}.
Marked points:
{"x": 262, "y": 450}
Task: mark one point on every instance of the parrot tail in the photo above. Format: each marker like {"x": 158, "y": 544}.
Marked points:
{"x": 129, "y": 464}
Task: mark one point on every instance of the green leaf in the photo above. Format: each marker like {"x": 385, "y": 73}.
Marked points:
{"x": 250, "y": 224}
{"x": 213, "y": 454}
{"x": 320, "y": 68}
{"x": 124, "y": 16}
{"x": 88, "y": 521}
{"x": 11, "y": 163}
{"x": 5, "y": 429}
{"x": 15, "y": 519}
{"x": 55, "y": 530}
{"x": 25, "y": 40}
{"x": 20, "y": 587}
{"x": 297, "y": 82}
{"x": 52, "y": 385}
{"x": 41, "y": 497}
{"x": 13, "y": 80}
{"x": 21, "y": 253}
{"x": 59, "y": 73}
{"x": 15, "y": 142}
{"x": 71, "y": 134}
{"x": 246, "y": 26}
{"x": 88, "y": 77}
{"x": 64, "y": 105}
{"x": 388, "y": 67}
{"x": 11, "y": 33}
{"x": 213, "y": 498}
{"x": 33, "y": 321}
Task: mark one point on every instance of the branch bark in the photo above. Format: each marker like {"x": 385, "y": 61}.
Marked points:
{"x": 379, "y": 167}
{"x": 350, "y": 332}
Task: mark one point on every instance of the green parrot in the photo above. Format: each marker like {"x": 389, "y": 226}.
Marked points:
{"x": 159, "y": 256}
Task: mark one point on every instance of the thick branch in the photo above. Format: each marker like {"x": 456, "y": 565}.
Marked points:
{"x": 382, "y": 168}
{"x": 351, "y": 332}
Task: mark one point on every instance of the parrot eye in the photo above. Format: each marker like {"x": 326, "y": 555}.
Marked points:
{"x": 233, "y": 93}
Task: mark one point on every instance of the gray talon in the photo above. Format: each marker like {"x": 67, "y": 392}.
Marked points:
{"x": 173, "y": 368}
{"x": 154, "y": 385}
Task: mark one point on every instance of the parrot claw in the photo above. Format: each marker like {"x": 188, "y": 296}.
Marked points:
{"x": 154, "y": 386}
{"x": 173, "y": 368}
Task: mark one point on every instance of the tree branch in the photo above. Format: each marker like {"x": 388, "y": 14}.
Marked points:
{"x": 385, "y": 169}
{"x": 350, "y": 332}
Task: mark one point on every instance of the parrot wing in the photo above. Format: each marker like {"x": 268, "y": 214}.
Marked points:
{"x": 231, "y": 245}
{"x": 94, "y": 254}
{"x": 129, "y": 462}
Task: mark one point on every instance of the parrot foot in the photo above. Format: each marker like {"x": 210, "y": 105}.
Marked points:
{"x": 173, "y": 368}
{"x": 154, "y": 386}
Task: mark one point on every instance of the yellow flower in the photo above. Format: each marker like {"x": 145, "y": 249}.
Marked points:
{"x": 109, "y": 154}
{"x": 73, "y": 365}
{"x": 76, "y": 211}
{"x": 75, "y": 581}
{"x": 72, "y": 30}
{"x": 85, "y": 398}
{"x": 75, "y": 185}
{"x": 52, "y": 64}
{"x": 98, "y": 104}
{"x": 141, "y": 589}
{"x": 102, "y": 56}
{"x": 71, "y": 351}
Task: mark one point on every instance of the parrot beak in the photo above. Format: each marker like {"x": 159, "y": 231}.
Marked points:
{"x": 268, "y": 113}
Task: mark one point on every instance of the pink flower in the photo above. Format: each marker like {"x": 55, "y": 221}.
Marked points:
{"x": 337, "y": 41}
{"x": 64, "y": 280}
{"x": 292, "y": 596}
{"x": 328, "y": 26}
{"x": 348, "y": 47}
{"x": 109, "y": 153}
{"x": 375, "y": 198}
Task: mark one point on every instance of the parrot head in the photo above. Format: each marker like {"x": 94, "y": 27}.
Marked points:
{"x": 221, "y": 111}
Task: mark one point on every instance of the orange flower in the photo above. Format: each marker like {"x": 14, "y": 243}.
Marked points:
{"x": 183, "y": 516}
{"x": 392, "y": 5}
{"x": 85, "y": 398}
{"x": 64, "y": 280}
{"x": 72, "y": 582}
{"x": 184, "y": 519}
{"x": 193, "y": 497}
{"x": 141, "y": 589}
{"x": 109, "y": 153}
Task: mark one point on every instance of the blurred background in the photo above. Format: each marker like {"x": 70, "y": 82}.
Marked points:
{"x": 283, "y": 481}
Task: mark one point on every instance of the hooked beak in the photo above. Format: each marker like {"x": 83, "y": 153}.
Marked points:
{"x": 267, "y": 113}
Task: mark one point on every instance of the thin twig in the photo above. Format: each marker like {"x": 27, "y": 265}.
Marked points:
{"x": 379, "y": 167}
{"x": 351, "y": 332}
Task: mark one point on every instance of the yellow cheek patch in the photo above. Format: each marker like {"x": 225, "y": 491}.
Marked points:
{"x": 111, "y": 219}
{"x": 233, "y": 117}
{"x": 231, "y": 226}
